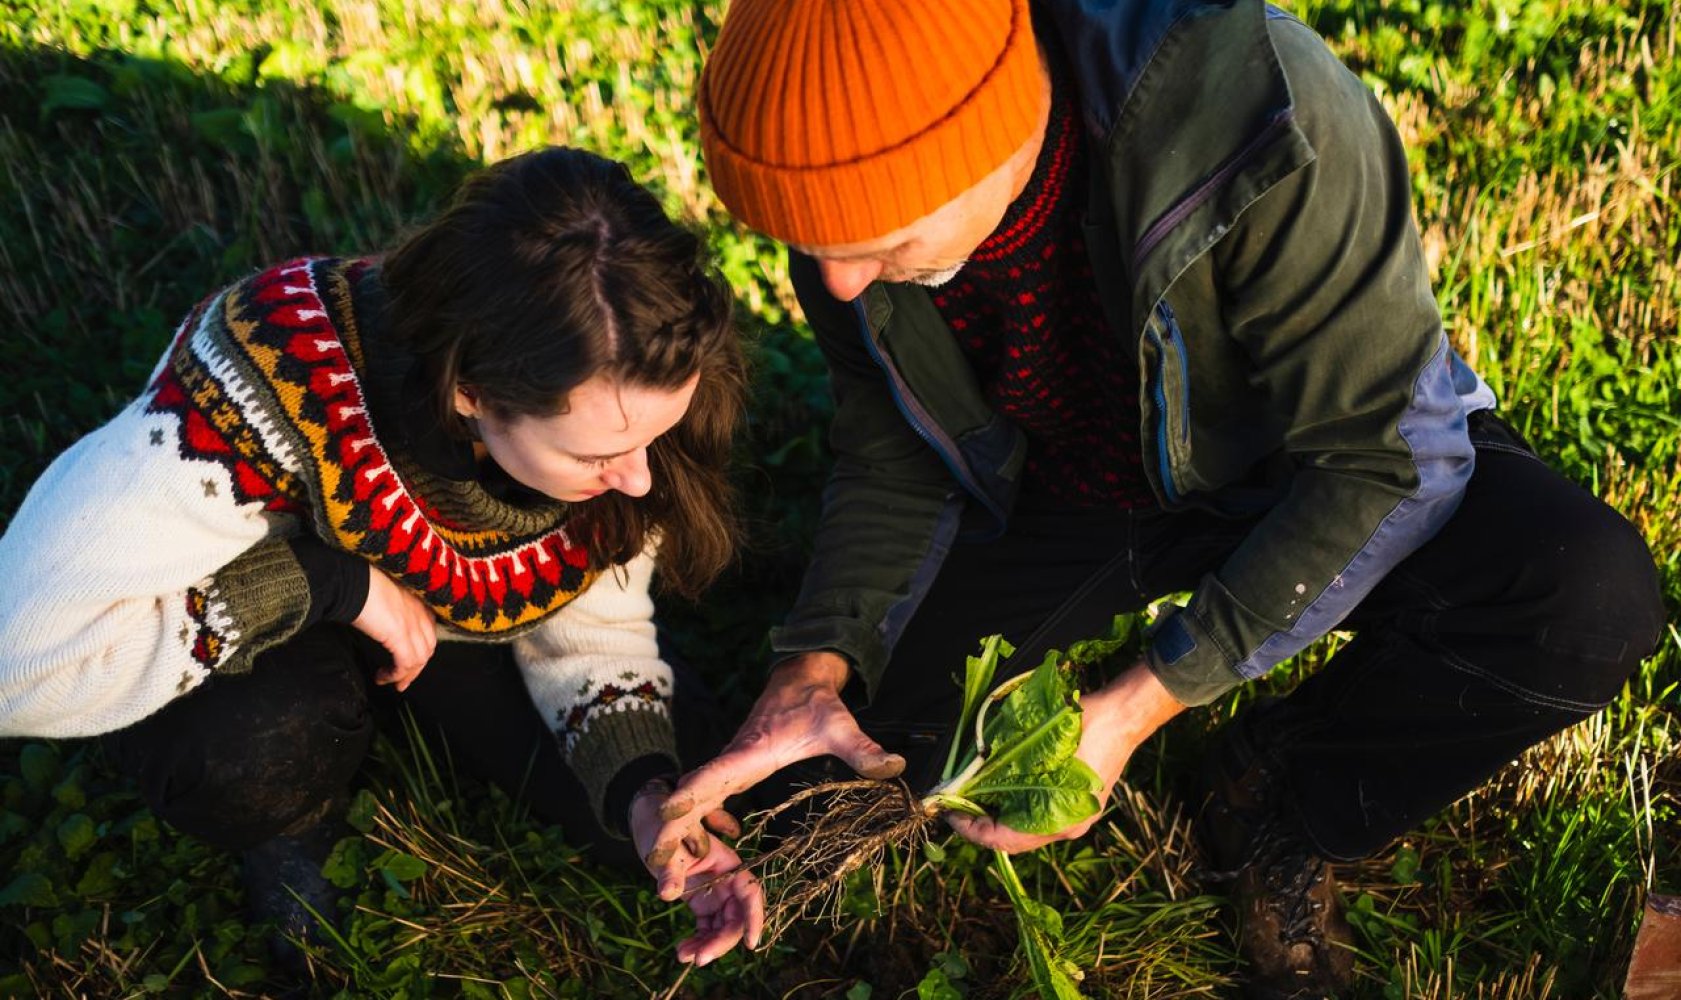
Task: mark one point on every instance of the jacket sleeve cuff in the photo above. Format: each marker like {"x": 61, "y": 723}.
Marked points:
{"x": 853, "y": 639}
{"x": 613, "y": 742}
{"x": 1188, "y": 662}
{"x": 258, "y": 601}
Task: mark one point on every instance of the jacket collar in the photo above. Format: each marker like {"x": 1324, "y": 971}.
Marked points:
{"x": 1191, "y": 119}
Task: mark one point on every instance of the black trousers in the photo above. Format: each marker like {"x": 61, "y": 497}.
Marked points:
{"x": 247, "y": 757}
{"x": 1525, "y": 614}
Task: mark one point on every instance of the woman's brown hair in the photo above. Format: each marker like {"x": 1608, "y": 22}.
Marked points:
{"x": 551, "y": 268}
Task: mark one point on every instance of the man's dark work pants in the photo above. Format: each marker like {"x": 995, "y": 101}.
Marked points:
{"x": 1525, "y": 614}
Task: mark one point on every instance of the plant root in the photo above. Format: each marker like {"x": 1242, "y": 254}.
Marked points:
{"x": 845, "y": 826}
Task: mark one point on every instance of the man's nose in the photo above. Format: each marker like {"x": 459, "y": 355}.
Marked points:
{"x": 847, "y": 279}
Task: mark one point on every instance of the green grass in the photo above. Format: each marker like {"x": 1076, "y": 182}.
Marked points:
{"x": 151, "y": 150}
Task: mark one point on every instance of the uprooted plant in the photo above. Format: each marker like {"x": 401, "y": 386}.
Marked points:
{"x": 1018, "y": 766}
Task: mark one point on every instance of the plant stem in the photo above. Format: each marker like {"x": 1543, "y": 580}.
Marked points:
{"x": 978, "y": 677}
{"x": 937, "y": 801}
{"x": 955, "y": 784}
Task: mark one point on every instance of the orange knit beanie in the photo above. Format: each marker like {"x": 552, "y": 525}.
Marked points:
{"x": 839, "y": 121}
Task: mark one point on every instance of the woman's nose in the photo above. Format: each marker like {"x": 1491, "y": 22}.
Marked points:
{"x": 630, "y": 474}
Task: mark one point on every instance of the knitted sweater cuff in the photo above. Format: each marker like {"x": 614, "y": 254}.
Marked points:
{"x": 612, "y": 741}
{"x": 260, "y": 599}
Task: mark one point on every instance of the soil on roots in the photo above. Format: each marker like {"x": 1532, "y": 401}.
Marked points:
{"x": 813, "y": 843}
{"x": 821, "y": 835}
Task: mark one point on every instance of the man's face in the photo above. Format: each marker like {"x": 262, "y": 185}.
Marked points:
{"x": 931, "y": 250}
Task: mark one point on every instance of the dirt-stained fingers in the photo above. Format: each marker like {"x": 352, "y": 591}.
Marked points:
{"x": 729, "y": 909}
{"x": 722, "y": 823}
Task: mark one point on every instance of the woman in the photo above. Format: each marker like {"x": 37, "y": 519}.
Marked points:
{"x": 482, "y": 438}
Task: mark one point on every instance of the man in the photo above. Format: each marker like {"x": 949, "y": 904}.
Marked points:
{"x": 1126, "y": 299}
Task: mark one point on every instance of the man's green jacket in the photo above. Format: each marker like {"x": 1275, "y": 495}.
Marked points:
{"x": 1251, "y": 235}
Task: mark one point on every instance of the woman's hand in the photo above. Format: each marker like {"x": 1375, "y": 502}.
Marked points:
{"x": 728, "y": 903}
{"x": 798, "y": 716}
{"x": 402, "y": 623}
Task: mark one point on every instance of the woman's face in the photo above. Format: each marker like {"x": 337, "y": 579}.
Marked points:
{"x": 600, "y": 443}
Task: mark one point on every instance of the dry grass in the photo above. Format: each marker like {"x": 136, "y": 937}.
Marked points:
{"x": 1548, "y": 206}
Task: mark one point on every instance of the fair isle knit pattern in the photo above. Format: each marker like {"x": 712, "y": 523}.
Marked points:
{"x": 155, "y": 549}
{"x": 277, "y": 334}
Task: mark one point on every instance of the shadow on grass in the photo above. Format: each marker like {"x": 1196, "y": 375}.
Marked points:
{"x": 133, "y": 188}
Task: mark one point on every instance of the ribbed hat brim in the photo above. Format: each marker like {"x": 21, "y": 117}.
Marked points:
{"x": 879, "y": 191}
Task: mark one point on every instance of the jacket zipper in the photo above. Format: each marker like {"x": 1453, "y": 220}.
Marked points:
{"x": 1180, "y": 212}
{"x": 1177, "y": 342}
{"x": 920, "y": 421}
{"x": 1159, "y": 393}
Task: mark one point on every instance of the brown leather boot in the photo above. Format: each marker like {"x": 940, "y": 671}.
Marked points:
{"x": 1293, "y": 936}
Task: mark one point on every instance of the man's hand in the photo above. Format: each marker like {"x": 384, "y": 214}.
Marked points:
{"x": 799, "y": 715}
{"x": 728, "y": 904}
{"x": 1115, "y": 720}
{"x": 402, "y": 623}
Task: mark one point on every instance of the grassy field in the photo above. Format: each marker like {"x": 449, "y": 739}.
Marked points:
{"x": 153, "y": 149}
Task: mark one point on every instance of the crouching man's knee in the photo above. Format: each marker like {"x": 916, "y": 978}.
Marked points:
{"x": 1606, "y": 612}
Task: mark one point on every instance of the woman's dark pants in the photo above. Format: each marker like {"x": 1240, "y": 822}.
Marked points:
{"x": 248, "y": 757}
{"x": 1525, "y": 614}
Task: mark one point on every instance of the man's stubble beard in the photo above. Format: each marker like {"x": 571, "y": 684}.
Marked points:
{"x": 934, "y": 279}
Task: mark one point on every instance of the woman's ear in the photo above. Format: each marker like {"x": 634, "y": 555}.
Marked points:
{"x": 466, "y": 401}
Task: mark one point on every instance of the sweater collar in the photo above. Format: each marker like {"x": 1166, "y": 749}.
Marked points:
{"x": 398, "y": 393}
{"x": 1051, "y": 189}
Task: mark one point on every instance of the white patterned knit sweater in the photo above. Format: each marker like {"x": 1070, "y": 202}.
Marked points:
{"x": 152, "y": 553}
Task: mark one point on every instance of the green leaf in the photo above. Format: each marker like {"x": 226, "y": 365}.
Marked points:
{"x": 344, "y": 865}
{"x": 860, "y": 991}
{"x": 76, "y": 834}
{"x": 403, "y": 867}
{"x": 13, "y": 825}
{"x": 75, "y": 93}
{"x": 29, "y": 889}
{"x": 68, "y": 793}
{"x": 1037, "y": 722}
{"x": 936, "y": 986}
{"x": 395, "y": 886}
{"x": 1124, "y": 631}
{"x": 1042, "y": 917}
{"x": 978, "y": 672}
{"x": 1042, "y": 802}
{"x": 1052, "y": 974}
{"x": 1031, "y": 780}
{"x": 100, "y": 879}
{"x": 953, "y": 964}
{"x": 1405, "y": 869}
{"x": 363, "y": 807}
{"x": 934, "y": 852}
{"x": 39, "y": 765}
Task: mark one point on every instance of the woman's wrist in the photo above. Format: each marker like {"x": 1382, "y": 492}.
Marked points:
{"x": 660, "y": 785}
